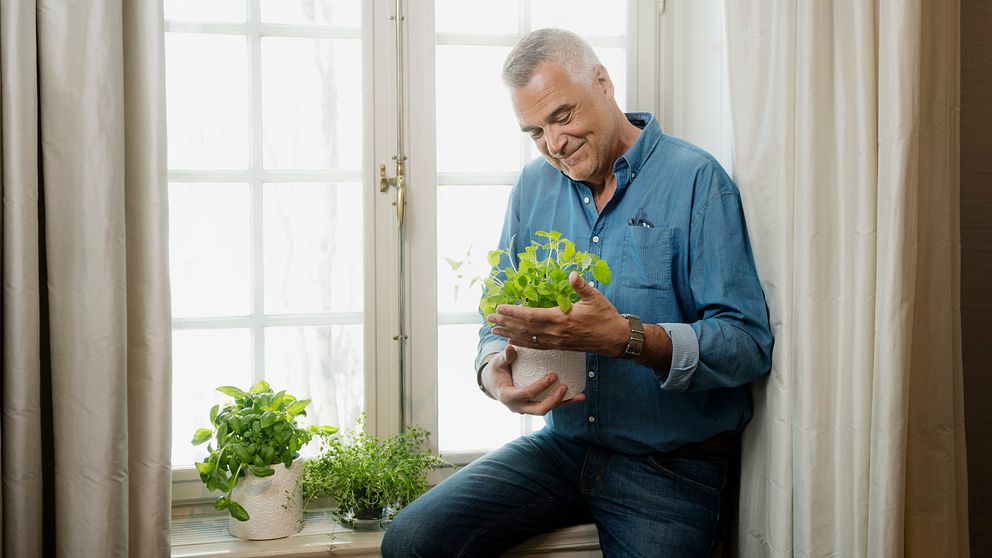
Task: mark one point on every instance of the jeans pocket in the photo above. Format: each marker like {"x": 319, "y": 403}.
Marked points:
{"x": 703, "y": 473}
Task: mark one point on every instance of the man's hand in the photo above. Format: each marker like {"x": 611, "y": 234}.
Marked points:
{"x": 498, "y": 381}
{"x": 593, "y": 325}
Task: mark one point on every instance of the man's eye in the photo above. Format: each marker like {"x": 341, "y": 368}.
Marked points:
{"x": 536, "y": 134}
{"x": 563, "y": 119}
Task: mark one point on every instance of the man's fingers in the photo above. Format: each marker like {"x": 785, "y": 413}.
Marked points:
{"x": 553, "y": 400}
{"x": 523, "y": 399}
{"x": 580, "y": 285}
{"x": 536, "y": 388}
{"x": 578, "y": 398}
{"x": 509, "y": 354}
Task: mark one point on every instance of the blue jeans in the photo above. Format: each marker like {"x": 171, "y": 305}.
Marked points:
{"x": 642, "y": 505}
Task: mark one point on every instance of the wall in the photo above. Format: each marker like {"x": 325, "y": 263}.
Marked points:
{"x": 976, "y": 261}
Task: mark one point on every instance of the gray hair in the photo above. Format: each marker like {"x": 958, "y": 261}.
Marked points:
{"x": 561, "y": 47}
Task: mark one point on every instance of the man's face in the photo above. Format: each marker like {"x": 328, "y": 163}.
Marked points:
{"x": 571, "y": 123}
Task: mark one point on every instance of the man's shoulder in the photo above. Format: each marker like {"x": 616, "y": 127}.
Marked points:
{"x": 688, "y": 154}
{"x": 696, "y": 164}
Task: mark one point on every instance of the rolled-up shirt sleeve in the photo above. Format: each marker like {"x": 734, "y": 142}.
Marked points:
{"x": 685, "y": 357}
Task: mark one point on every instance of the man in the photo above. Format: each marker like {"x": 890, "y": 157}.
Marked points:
{"x": 648, "y": 451}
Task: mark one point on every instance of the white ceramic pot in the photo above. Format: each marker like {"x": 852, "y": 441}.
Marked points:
{"x": 533, "y": 364}
{"x": 274, "y": 504}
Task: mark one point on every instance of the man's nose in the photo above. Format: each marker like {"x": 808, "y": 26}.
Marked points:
{"x": 556, "y": 142}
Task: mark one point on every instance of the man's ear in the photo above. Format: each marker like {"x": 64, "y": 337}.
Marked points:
{"x": 603, "y": 81}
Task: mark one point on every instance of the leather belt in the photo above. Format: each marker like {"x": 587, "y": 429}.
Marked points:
{"x": 719, "y": 445}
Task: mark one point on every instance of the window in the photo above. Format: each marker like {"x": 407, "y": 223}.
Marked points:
{"x": 265, "y": 133}
{"x": 284, "y": 254}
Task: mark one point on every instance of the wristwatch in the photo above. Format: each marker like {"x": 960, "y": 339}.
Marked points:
{"x": 636, "y": 342}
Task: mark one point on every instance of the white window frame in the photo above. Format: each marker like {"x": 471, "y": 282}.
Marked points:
{"x": 189, "y": 495}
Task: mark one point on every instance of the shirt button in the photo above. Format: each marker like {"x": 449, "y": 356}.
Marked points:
{"x": 585, "y": 199}
{"x": 595, "y": 239}
{"x": 592, "y": 419}
{"x": 633, "y": 175}
{"x": 592, "y": 374}
{"x": 592, "y": 283}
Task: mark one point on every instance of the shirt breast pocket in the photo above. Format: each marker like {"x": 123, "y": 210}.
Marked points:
{"x": 647, "y": 258}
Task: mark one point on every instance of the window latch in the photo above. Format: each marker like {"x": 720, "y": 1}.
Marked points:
{"x": 398, "y": 182}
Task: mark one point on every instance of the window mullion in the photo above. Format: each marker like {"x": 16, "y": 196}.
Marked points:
{"x": 256, "y": 198}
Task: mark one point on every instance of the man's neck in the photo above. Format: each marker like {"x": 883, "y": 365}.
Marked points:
{"x": 604, "y": 188}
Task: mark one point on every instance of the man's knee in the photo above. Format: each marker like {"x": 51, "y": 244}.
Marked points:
{"x": 407, "y": 536}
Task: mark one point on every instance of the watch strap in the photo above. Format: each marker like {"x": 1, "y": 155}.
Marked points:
{"x": 636, "y": 342}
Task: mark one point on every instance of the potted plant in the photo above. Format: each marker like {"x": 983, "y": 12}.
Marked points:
{"x": 254, "y": 460}
{"x": 370, "y": 479}
{"x": 540, "y": 280}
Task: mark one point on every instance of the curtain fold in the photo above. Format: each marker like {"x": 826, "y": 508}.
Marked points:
{"x": 86, "y": 324}
{"x": 846, "y": 141}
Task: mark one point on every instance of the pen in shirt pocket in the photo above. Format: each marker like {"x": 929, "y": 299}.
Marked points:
{"x": 639, "y": 220}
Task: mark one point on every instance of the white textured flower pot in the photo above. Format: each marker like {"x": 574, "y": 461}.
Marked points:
{"x": 533, "y": 364}
{"x": 274, "y": 504}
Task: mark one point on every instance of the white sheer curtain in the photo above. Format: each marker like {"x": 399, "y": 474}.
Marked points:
{"x": 846, "y": 135}
{"x": 85, "y": 286}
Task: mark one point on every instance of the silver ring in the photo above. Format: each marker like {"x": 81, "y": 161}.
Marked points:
{"x": 534, "y": 340}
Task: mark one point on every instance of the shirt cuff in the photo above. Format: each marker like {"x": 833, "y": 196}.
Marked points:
{"x": 685, "y": 356}
{"x": 486, "y": 349}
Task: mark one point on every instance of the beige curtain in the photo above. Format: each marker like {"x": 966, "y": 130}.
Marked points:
{"x": 85, "y": 294}
{"x": 846, "y": 138}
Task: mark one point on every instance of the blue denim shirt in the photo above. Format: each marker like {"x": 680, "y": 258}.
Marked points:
{"x": 675, "y": 238}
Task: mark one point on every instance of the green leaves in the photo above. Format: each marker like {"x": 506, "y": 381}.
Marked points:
{"x": 323, "y": 430}
{"x": 201, "y": 435}
{"x": 493, "y": 257}
{"x": 232, "y": 391}
{"x": 257, "y": 429}
{"x": 260, "y": 386}
{"x": 262, "y": 471}
{"x": 360, "y": 470}
{"x": 298, "y": 406}
{"x": 540, "y": 279}
{"x": 237, "y": 512}
{"x": 601, "y": 271}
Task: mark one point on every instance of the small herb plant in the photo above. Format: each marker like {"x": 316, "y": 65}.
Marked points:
{"x": 370, "y": 479}
{"x": 539, "y": 283}
{"x": 256, "y": 430}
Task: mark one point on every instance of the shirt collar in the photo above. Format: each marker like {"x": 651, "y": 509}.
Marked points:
{"x": 638, "y": 153}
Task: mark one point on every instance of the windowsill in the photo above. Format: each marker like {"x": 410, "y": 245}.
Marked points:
{"x": 200, "y": 536}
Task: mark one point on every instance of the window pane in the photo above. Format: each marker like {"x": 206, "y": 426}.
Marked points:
{"x": 467, "y": 419}
{"x": 586, "y": 17}
{"x": 313, "y": 248}
{"x": 476, "y": 16}
{"x": 483, "y": 207}
{"x": 311, "y": 103}
{"x": 476, "y": 127}
{"x": 320, "y": 363}
{"x": 202, "y": 360}
{"x": 198, "y": 10}
{"x": 341, "y": 13}
{"x": 206, "y": 85}
{"x": 208, "y": 249}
